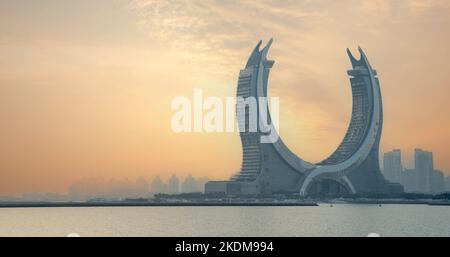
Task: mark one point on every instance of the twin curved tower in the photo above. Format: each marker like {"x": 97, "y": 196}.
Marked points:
{"x": 269, "y": 168}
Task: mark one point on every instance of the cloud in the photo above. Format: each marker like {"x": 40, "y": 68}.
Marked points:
{"x": 219, "y": 34}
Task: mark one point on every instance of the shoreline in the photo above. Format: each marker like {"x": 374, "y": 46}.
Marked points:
{"x": 212, "y": 204}
{"x": 150, "y": 204}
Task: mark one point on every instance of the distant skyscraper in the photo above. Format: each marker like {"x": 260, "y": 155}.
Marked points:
{"x": 409, "y": 180}
{"x": 189, "y": 185}
{"x": 174, "y": 185}
{"x": 142, "y": 187}
{"x": 393, "y": 165}
{"x": 424, "y": 167}
{"x": 447, "y": 184}
{"x": 437, "y": 181}
{"x": 157, "y": 186}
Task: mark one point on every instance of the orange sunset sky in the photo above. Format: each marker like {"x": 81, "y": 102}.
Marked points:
{"x": 86, "y": 85}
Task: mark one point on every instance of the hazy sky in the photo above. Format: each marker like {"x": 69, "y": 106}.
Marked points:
{"x": 86, "y": 86}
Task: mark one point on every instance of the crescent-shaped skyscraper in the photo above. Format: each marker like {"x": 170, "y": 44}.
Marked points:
{"x": 271, "y": 168}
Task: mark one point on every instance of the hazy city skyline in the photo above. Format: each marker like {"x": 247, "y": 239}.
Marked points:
{"x": 87, "y": 93}
{"x": 92, "y": 188}
{"x": 421, "y": 178}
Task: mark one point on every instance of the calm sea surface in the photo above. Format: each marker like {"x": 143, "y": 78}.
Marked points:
{"x": 340, "y": 220}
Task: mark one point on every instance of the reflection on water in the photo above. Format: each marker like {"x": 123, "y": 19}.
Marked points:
{"x": 340, "y": 220}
